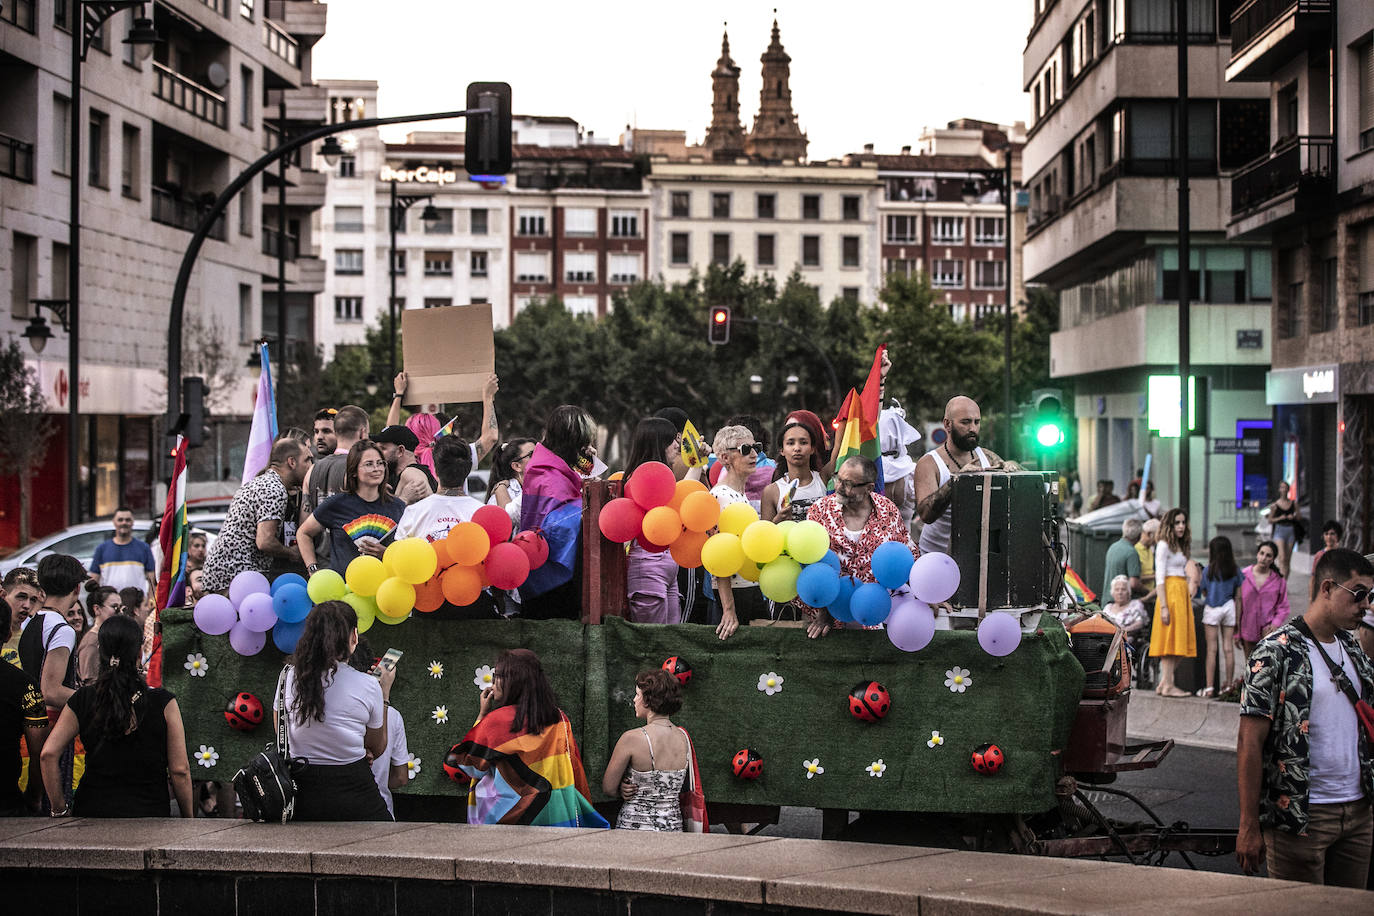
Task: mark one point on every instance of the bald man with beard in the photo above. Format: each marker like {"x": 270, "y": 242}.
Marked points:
{"x": 936, "y": 470}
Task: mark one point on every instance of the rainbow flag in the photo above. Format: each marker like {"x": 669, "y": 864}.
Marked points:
{"x": 1077, "y": 587}
{"x": 524, "y": 778}
{"x": 857, "y": 421}
{"x": 377, "y": 526}
{"x": 172, "y": 537}
{"x": 552, "y": 505}
{"x": 445, "y": 430}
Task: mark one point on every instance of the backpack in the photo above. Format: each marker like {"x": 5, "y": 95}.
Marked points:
{"x": 266, "y": 785}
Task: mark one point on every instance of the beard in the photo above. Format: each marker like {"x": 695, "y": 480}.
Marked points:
{"x": 965, "y": 443}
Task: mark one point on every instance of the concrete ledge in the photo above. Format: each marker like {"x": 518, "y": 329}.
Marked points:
{"x": 1190, "y": 721}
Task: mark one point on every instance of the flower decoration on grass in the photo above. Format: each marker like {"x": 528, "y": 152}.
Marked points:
{"x": 482, "y": 677}
{"x": 813, "y": 767}
{"x": 957, "y": 679}
{"x": 196, "y": 665}
{"x": 207, "y": 756}
{"x": 436, "y": 670}
{"x": 412, "y": 766}
{"x": 440, "y": 715}
{"x": 877, "y": 768}
{"x": 770, "y": 683}
{"x": 935, "y": 740}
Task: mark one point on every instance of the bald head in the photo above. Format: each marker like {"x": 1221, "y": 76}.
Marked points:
{"x": 960, "y": 406}
{"x": 963, "y": 420}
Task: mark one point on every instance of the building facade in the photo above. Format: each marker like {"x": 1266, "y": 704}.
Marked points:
{"x": 161, "y": 138}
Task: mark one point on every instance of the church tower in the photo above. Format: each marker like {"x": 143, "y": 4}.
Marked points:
{"x": 776, "y": 135}
{"x": 725, "y": 136}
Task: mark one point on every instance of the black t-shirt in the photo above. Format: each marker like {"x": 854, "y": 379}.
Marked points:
{"x": 348, "y": 518}
{"x": 21, "y": 705}
{"x": 126, "y": 776}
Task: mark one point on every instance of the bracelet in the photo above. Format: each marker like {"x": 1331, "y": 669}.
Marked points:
{"x": 312, "y": 568}
{"x": 63, "y": 813}
{"x": 399, "y": 394}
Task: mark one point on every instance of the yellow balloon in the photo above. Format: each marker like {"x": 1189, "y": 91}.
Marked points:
{"x": 761, "y": 542}
{"x": 735, "y": 517}
{"x": 778, "y": 581}
{"x": 721, "y": 555}
{"x": 365, "y": 575}
{"x": 808, "y": 542}
{"x": 365, "y": 608}
{"x": 412, "y": 559}
{"x": 750, "y": 571}
{"x": 395, "y": 598}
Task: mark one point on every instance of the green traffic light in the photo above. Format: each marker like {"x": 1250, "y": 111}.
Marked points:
{"x": 1049, "y": 435}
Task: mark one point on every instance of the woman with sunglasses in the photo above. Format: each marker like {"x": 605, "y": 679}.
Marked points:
{"x": 508, "y": 475}
{"x": 361, "y": 519}
{"x": 651, "y": 585}
{"x": 739, "y": 599}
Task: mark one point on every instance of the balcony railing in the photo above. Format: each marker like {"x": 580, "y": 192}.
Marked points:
{"x": 272, "y": 138}
{"x": 272, "y": 240}
{"x": 1303, "y": 163}
{"x": 18, "y": 13}
{"x": 1253, "y": 18}
{"x": 16, "y": 159}
{"x": 280, "y": 43}
{"x": 171, "y": 210}
{"x": 189, "y": 96}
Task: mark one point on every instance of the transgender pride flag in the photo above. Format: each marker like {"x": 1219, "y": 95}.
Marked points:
{"x": 264, "y": 431}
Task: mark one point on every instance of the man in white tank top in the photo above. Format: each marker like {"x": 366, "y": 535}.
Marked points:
{"x": 936, "y": 469}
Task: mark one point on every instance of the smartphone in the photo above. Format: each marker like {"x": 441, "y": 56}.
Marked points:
{"x": 787, "y": 497}
{"x": 387, "y": 661}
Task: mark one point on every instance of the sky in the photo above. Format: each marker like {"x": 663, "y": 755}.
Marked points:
{"x": 862, "y": 71}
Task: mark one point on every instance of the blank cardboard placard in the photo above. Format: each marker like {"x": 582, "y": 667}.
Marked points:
{"x": 448, "y": 352}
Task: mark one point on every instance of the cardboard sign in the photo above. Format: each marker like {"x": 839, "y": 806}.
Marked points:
{"x": 448, "y": 353}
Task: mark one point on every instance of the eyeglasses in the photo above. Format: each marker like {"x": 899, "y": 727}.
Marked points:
{"x": 1361, "y": 594}
{"x": 372, "y": 465}
{"x": 842, "y": 484}
{"x": 527, "y": 456}
{"x": 747, "y": 448}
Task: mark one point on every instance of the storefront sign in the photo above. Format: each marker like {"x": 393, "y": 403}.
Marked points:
{"x": 104, "y": 389}
{"x": 1250, "y": 339}
{"x": 1235, "y": 447}
{"x": 423, "y": 175}
{"x": 1303, "y": 385}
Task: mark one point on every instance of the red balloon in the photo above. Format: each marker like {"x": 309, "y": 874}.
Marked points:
{"x": 620, "y": 520}
{"x": 650, "y": 547}
{"x": 507, "y": 566}
{"x": 714, "y": 471}
{"x": 652, "y": 485}
{"x": 535, "y": 547}
{"x": 495, "y": 522}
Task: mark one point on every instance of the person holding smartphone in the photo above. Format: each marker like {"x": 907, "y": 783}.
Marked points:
{"x": 361, "y": 519}
{"x": 797, "y": 481}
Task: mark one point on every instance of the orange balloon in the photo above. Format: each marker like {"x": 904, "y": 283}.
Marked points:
{"x": 461, "y": 584}
{"x": 467, "y": 544}
{"x": 441, "y": 551}
{"x": 429, "y": 595}
{"x": 481, "y": 570}
{"x": 684, "y": 489}
{"x": 662, "y": 525}
{"x": 699, "y": 511}
{"x": 618, "y": 475}
{"x": 686, "y": 550}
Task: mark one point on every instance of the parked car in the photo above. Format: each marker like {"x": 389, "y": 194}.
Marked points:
{"x": 81, "y": 540}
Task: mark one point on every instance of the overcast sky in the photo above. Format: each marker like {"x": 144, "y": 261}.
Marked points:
{"x": 862, "y": 71}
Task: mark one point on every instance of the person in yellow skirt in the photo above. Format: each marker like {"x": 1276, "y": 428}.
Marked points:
{"x": 1172, "y": 635}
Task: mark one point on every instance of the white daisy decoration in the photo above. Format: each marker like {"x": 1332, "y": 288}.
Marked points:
{"x": 957, "y": 679}
{"x": 412, "y": 766}
{"x": 482, "y": 677}
{"x": 813, "y": 768}
{"x": 877, "y": 768}
{"x": 207, "y": 756}
{"x": 436, "y": 670}
{"x": 770, "y": 683}
{"x": 196, "y": 665}
{"x": 935, "y": 740}
{"x": 440, "y": 715}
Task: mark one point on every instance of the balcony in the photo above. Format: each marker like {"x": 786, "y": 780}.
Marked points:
{"x": 276, "y": 40}
{"x": 1266, "y": 34}
{"x": 272, "y": 243}
{"x": 16, "y": 159}
{"x": 305, "y": 19}
{"x": 189, "y": 96}
{"x": 1296, "y": 177}
{"x": 171, "y": 210}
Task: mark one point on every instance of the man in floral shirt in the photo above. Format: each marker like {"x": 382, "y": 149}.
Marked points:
{"x": 1303, "y": 759}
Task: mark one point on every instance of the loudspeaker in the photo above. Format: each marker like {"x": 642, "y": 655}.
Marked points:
{"x": 1018, "y": 511}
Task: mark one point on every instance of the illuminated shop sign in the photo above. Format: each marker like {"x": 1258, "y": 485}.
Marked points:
{"x": 423, "y": 175}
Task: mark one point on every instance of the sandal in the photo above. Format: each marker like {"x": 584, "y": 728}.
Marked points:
{"x": 1176, "y": 692}
{"x": 1207, "y": 692}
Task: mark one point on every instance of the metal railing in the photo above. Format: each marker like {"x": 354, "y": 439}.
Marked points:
{"x": 1300, "y": 162}
{"x": 272, "y": 240}
{"x": 188, "y": 95}
{"x": 171, "y": 210}
{"x": 1252, "y": 19}
{"x": 18, "y": 13}
{"x": 16, "y": 159}
{"x": 280, "y": 43}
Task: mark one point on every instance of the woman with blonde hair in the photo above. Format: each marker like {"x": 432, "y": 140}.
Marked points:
{"x": 740, "y": 600}
{"x": 1172, "y": 636}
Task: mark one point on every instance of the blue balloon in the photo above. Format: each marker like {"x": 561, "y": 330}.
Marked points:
{"x": 291, "y": 602}
{"x": 839, "y": 608}
{"x": 286, "y": 579}
{"x": 832, "y": 560}
{"x": 871, "y": 604}
{"x": 286, "y": 635}
{"x": 892, "y": 564}
{"x": 818, "y": 585}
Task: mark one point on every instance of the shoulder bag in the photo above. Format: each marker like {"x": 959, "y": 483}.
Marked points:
{"x": 1363, "y": 711}
{"x": 266, "y": 786}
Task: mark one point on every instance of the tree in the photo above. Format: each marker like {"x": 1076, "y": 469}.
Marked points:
{"x": 206, "y": 353}
{"x": 24, "y": 425}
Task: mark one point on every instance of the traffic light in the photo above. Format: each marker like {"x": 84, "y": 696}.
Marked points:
{"x": 486, "y": 147}
{"x": 193, "y": 402}
{"x": 718, "y": 330}
{"x": 1048, "y": 422}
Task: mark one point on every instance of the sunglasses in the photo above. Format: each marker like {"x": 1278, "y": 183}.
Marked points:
{"x": 747, "y": 449}
{"x": 1361, "y": 594}
{"x": 841, "y": 483}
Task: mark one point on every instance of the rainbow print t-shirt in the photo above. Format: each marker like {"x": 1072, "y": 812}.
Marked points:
{"x": 349, "y": 519}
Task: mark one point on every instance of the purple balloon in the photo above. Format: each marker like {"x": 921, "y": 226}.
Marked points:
{"x": 248, "y": 582}
{"x": 934, "y": 577}
{"x": 245, "y": 641}
{"x": 214, "y": 615}
{"x": 257, "y": 614}
{"x": 999, "y": 634}
{"x": 911, "y": 625}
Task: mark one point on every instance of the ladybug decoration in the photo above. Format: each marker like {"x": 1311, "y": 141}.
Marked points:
{"x": 988, "y": 759}
{"x": 244, "y": 712}
{"x": 451, "y": 766}
{"x": 747, "y": 764}
{"x": 679, "y": 668}
{"x": 869, "y": 702}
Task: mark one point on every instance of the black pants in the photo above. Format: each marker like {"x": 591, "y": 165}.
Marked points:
{"x": 344, "y": 792}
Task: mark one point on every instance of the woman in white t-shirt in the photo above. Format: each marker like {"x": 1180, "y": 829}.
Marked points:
{"x": 740, "y": 600}
{"x": 336, "y": 717}
{"x": 797, "y": 482}
{"x": 508, "y": 475}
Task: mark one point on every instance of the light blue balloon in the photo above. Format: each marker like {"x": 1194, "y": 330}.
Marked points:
{"x": 291, "y": 602}
{"x": 818, "y": 584}
{"x": 286, "y": 579}
{"x": 870, "y": 604}
{"x": 892, "y": 563}
{"x": 839, "y": 608}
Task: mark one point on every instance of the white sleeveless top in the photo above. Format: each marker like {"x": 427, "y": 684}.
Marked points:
{"x": 935, "y": 535}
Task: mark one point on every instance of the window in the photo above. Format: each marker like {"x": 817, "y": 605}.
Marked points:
{"x": 947, "y": 274}
{"x": 59, "y": 15}
{"x": 246, "y": 98}
{"x": 398, "y": 263}
{"x": 849, "y": 293}
{"x": 902, "y": 266}
{"x": 1326, "y": 318}
{"x": 720, "y": 206}
{"x": 1150, "y": 137}
{"x": 578, "y": 221}
{"x": 989, "y": 274}
{"x": 98, "y": 150}
{"x": 438, "y": 263}
{"x": 347, "y": 308}
{"x": 681, "y": 249}
{"x": 906, "y": 187}
{"x": 682, "y": 203}
{"x": 531, "y": 267}
{"x": 477, "y": 222}
{"x": 347, "y": 168}
{"x": 441, "y": 226}
{"x": 61, "y": 265}
{"x": 720, "y": 248}
{"x": 437, "y": 302}
{"x": 811, "y": 206}
{"x": 480, "y": 300}
{"x": 246, "y": 312}
{"x": 349, "y": 261}
{"x": 130, "y": 170}
{"x": 1153, "y": 20}
{"x": 530, "y": 222}
{"x": 1084, "y": 44}
{"x": 1243, "y": 132}
{"x": 579, "y": 267}
{"x": 1366, "y": 80}
{"x": 947, "y": 229}
{"x": 624, "y": 224}
{"x": 851, "y": 206}
{"x": 348, "y": 219}
{"x": 849, "y": 251}
{"x": 246, "y": 9}
{"x": 989, "y": 230}
{"x": 580, "y": 305}
{"x": 765, "y": 206}
{"x": 247, "y": 214}
{"x": 765, "y": 250}
{"x": 23, "y": 273}
{"x": 811, "y": 251}
{"x": 1364, "y": 277}
{"x": 902, "y": 229}
{"x": 477, "y": 263}
{"x": 624, "y": 268}
{"x": 61, "y": 133}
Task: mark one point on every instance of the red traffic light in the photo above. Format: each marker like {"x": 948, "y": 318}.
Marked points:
{"x": 720, "y": 316}
{"x": 718, "y": 331}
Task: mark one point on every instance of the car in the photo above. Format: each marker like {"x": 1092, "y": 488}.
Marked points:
{"x": 81, "y": 540}
{"x": 478, "y": 484}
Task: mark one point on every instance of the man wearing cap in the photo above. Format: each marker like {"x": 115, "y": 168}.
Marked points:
{"x": 410, "y": 480}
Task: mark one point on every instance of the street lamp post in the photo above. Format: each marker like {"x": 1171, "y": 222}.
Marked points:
{"x": 1001, "y": 180}
{"x": 396, "y": 215}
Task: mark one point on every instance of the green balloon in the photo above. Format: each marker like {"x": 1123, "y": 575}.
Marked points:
{"x": 366, "y": 609}
{"x": 778, "y": 580}
{"x": 325, "y": 585}
{"x": 808, "y": 542}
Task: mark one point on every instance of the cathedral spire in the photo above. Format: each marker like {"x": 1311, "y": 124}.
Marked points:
{"x": 776, "y": 134}
{"x": 725, "y": 136}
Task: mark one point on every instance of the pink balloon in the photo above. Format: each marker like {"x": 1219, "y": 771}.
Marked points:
{"x": 999, "y": 634}
{"x": 245, "y": 641}
{"x": 257, "y": 613}
{"x": 652, "y": 485}
{"x": 911, "y": 625}
{"x": 214, "y": 615}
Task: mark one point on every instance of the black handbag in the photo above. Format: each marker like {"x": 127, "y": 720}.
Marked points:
{"x": 266, "y": 785}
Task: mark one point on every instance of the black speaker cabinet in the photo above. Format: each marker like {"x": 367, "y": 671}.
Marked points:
{"x": 1017, "y": 512}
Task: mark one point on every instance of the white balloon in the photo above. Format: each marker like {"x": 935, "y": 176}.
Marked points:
{"x": 934, "y": 577}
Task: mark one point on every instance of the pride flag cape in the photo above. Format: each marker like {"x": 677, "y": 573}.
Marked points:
{"x": 522, "y": 778}
{"x": 551, "y": 504}
{"x": 172, "y": 537}
{"x": 857, "y": 421}
{"x": 1077, "y": 587}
